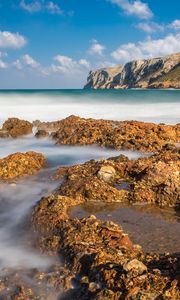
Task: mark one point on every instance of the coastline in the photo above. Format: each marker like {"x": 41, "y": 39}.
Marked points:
{"x": 94, "y": 252}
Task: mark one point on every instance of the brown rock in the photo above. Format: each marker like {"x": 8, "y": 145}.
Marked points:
{"x": 16, "y": 127}
{"x": 20, "y": 164}
{"x": 41, "y": 133}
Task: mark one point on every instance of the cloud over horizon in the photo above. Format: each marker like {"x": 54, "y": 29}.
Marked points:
{"x": 148, "y": 48}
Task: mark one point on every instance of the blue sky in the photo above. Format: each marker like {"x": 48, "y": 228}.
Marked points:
{"x": 54, "y": 44}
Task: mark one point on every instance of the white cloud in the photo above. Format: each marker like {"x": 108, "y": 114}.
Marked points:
{"x": 136, "y": 8}
{"x": 17, "y": 64}
{"x": 175, "y": 24}
{"x": 26, "y": 61}
{"x": 29, "y": 61}
{"x": 96, "y": 48}
{"x": 83, "y": 62}
{"x": 67, "y": 65}
{"x": 31, "y": 7}
{"x": 40, "y": 5}
{"x": 148, "y": 48}
{"x": 11, "y": 40}
{"x": 150, "y": 27}
{"x": 54, "y": 8}
{"x": 3, "y": 65}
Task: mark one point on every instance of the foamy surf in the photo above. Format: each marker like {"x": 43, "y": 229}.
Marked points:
{"x": 144, "y": 105}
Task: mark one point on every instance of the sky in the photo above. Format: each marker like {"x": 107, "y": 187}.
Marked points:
{"x": 54, "y": 44}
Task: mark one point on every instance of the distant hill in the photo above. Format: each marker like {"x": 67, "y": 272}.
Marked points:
{"x": 161, "y": 72}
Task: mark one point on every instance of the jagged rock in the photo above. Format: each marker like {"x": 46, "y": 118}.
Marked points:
{"x": 98, "y": 261}
{"x": 154, "y": 179}
{"x": 162, "y": 72}
{"x": 19, "y": 164}
{"x": 116, "y": 134}
{"x": 16, "y": 127}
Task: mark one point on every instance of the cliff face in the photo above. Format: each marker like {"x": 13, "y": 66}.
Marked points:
{"x": 163, "y": 72}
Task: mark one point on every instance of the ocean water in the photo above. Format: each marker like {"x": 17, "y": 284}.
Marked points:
{"x": 160, "y": 106}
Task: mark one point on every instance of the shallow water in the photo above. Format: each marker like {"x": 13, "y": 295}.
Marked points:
{"x": 60, "y": 155}
{"x": 155, "y": 229}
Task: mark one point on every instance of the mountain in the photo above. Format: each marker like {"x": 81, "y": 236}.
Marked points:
{"x": 161, "y": 72}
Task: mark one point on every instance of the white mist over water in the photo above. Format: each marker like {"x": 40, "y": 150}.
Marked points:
{"x": 17, "y": 201}
{"x": 57, "y": 155}
{"x": 144, "y": 105}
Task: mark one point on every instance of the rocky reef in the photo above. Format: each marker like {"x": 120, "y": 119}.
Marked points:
{"x": 155, "y": 179}
{"x": 132, "y": 135}
{"x": 96, "y": 259}
{"x": 161, "y": 72}
{"x": 102, "y": 261}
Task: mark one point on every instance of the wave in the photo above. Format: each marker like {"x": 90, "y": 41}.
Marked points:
{"x": 151, "y": 106}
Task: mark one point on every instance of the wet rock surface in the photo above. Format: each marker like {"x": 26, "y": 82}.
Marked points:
{"x": 155, "y": 179}
{"x": 156, "y": 229}
{"x": 15, "y": 127}
{"x": 120, "y": 135}
{"x": 96, "y": 259}
{"x": 115, "y": 134}
{"x": 20, "y": 164}
{"x": 104, "y": 263}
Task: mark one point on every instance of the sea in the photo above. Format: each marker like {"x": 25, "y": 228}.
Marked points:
{"x": 159, "y": 106}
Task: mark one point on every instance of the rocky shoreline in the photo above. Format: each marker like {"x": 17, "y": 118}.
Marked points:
{"x": 96, "y": 259}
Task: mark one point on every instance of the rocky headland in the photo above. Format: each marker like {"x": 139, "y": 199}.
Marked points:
{"x": 96, "y": 259}
{"x": 161, "y": 72}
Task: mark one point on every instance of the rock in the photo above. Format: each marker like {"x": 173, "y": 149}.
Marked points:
{"x": 4, "y": 133}
{"x": 92, "y": 251}
{"x": 20, "y": 164}
{"x": 106, "y": 173}
{"x": 93, "y": 287}
{"x": 154, "y": 179}
{"x": 162, "y": 72}
{"x": 136, "y": 265}
{"x": 16, "y": 127}
{"x": 134, "y": 135}
{"x": 41, "y": 133}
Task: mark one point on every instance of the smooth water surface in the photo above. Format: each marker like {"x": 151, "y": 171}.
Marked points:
{"x": 145, "y": 105}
